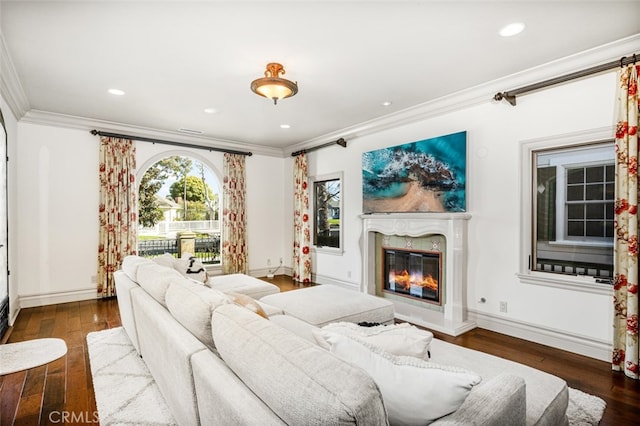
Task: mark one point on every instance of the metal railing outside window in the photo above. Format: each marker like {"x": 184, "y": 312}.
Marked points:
{"x": 207, "y": 249}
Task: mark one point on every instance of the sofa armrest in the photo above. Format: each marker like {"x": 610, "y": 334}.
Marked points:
{"x": 500, "y": 401}
{"x": 124, "y": 287}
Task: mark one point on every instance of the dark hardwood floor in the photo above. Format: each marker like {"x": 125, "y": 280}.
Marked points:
{"x": 42, "y": 395}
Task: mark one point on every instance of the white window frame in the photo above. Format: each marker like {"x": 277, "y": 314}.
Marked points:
{"x": 312, "y": 180}
{"x": 527, "y": 148}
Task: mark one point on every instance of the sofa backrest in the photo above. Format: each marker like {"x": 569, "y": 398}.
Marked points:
{"x": 130, "y": 265}
{"x": 155, "y": 280}
{"x": 192, "y": 305}
{"x": 300, "y": 382}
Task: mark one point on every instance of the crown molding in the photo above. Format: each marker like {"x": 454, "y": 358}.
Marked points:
{"x": 483, "y": 93}
{"x": 88, "y": 124}
{"x": 10, "y": 86}
{"x": 13, "y": 93}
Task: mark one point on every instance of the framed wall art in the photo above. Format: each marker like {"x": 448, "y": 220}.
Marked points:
{"x": 423, "y": 176}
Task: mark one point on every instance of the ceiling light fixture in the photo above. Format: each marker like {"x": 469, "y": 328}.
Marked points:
{"x": 116, "y": 92}
{"x": 285, "y": 126}
{"x": 272, "y": 86}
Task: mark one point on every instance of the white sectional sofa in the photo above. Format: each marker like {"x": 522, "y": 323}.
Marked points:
{"x": 216, "y": 362}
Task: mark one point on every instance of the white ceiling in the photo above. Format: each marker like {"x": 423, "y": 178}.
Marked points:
{"x": 176, "y": 58}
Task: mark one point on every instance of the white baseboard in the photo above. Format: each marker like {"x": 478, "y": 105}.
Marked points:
{"x": 582, "y": 345}
{"x": 323, "y": 279}
{"x": 263, "y": 272}
{"x": 33, "y": 300}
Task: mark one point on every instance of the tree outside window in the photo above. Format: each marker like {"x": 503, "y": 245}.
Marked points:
{"x": 189, "y": 190}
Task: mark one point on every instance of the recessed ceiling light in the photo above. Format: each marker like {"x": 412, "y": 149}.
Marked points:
{"x": 285, "y": 126}
{"x": 386, "y": 103}
{"x": 116, "y": 92}
{"x": 210, "y": 110}
{"x": 512, "y": 29}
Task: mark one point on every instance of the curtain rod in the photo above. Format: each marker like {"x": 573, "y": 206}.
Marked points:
{"x": 510, "y": 96}
{"x": 181, "y": 144}
{"x": 340, "y": 142}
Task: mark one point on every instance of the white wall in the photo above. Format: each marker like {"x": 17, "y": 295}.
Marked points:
{"x": 494, "y": 132}
{"x": 56, "y": 230}
{"x": 57, "y": 222}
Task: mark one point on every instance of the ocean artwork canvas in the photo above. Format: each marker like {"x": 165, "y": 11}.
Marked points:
{"x": 423, "y": 176}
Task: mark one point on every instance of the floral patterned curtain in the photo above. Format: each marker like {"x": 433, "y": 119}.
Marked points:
{"x": 234, "y": 224}
{"x": 625, "y": 298}
{"x": 301, "y": 225}
{"x": 118, "y": 210}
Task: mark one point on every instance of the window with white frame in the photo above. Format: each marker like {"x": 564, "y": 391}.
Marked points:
{"x": 568, "y": 212}
{"x": 327, "y": 210}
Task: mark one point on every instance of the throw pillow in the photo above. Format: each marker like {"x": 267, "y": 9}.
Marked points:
{"x": 189, "y": 266}
{"x": 414, "y": 391}
{"x": 247, "y": 302}
{"x": 166, "y": 259}
{"x": 397, "y": 339}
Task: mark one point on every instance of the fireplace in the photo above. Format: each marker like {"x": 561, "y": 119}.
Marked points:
{"x": 435, "y": 244}
{"x": 412, "y": 273}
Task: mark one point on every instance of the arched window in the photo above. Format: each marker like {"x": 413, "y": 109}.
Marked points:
{"x": 179, "y": 199}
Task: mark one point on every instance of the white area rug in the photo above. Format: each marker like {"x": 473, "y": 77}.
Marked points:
{"x": 126, "y": 394}
{"x": 584, "y": 409}
{"x": 29, "y": 354}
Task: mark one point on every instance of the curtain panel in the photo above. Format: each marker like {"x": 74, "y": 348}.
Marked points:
{"x": 625, "y": 298}
{"x": 301, "y": 225}
{"x": 234, "y": 224}
{"x": 118, "y": 210}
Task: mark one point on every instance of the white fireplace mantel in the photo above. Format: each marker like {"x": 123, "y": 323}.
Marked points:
{"x": 453, "y": 226}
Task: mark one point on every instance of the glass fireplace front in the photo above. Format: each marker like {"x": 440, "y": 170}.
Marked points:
{"x": 412, "y": 273}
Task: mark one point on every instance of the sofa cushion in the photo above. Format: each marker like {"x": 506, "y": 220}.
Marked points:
{"x": 323, "y": 304}
{"x": 415, "y": 392}
{"x": 242, "y": 283}
{"x": 166, "y": 259}
{"x": 397, "y": 339}
{"x": 130, "y": 266}
{"x": 155, "y": 279}
{"x": 193, "y": 305}
{"x": 547, "y": 395}
{"x": 296, "y": 326}
{"x": 300, "y": 382}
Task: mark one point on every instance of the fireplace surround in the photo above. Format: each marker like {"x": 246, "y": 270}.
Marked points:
{"x": 443, "y": 235}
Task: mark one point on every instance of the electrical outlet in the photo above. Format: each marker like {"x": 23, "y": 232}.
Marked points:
{"x": 348, "y": 274}
{"x": 503, "y": 307}
{"x": 281, "y": 261}
{"x": 94, "y": 279}
{"x": 268, "y": 262}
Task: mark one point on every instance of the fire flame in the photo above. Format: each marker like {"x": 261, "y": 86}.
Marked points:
{"x": 405, "y": 280}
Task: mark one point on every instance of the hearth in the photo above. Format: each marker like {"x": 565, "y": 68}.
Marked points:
{"x": 435, "y": 239}
{"x": 412, "y": 273}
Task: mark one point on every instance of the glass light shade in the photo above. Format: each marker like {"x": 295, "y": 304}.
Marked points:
{"x": 272, "y": 86}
